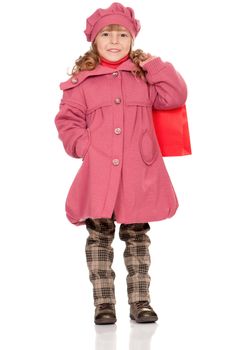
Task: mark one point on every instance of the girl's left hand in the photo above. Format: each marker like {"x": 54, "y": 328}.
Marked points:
{"x": 149, "y": 57}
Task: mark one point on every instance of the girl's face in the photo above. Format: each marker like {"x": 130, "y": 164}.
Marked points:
{"x": 113, "y": 44}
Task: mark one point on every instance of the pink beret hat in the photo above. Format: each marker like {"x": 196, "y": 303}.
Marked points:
{"x": 115, "y": 14}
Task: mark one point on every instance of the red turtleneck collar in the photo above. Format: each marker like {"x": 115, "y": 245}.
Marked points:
{"x": 112, "y": 64}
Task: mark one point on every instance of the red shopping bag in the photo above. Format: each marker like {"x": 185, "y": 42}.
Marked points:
{"x": 171, "y": 127}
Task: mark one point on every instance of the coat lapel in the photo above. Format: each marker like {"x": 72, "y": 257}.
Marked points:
{"x": 76, "y": 80}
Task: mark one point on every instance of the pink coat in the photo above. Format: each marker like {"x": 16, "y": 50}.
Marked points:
{"x": 105, "y": 118}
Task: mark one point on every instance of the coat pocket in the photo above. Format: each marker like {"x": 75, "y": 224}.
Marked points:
{"x": 94, "y": 119}
{"x": 148, "y": 147}
{"x": 88, "y": 144}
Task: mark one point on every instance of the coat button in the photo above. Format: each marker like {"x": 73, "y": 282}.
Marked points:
{"x": 115, "y": 161}
{"x": 115, "y": 74}
{"x": 117, "y": 131}
{"x": 117, "y": 100}
{"x": 74, "y": 80}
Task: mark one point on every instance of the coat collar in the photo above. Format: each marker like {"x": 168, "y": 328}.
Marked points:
{"x": 128, "y": 65}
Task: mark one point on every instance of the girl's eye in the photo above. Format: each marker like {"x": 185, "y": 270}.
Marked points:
{"x": 124, "y": 35}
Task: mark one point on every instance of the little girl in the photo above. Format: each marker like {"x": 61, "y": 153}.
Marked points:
{"x": 105, "y": 118}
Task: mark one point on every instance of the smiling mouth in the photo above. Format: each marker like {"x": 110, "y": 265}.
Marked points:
{"x": 113, "y": 50}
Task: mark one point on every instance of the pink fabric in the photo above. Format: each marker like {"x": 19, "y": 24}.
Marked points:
{"x": 105, "y": 118}
{"x": 116, "y": 13}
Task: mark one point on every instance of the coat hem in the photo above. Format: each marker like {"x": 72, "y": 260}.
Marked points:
{"x": 81, "y": 221}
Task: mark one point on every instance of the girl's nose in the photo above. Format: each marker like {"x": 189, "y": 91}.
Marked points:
{"x": 114, "y": 38}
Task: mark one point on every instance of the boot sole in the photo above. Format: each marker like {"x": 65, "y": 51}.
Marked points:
{"x": 106, "y": 321}
{"x": 145, "y": 319}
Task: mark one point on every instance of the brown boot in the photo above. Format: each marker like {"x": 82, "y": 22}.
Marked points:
{"x": 142, "y": 312}
{"x": 105, "y": 314}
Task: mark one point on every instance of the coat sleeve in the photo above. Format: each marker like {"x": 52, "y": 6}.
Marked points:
{"x": 71, "y": 123}
{"x": 168, "y": 88}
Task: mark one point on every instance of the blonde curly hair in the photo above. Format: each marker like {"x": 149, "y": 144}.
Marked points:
{"x": 91, "y": 58}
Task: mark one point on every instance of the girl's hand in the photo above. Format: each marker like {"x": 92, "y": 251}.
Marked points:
{"x": 147, "y": 58}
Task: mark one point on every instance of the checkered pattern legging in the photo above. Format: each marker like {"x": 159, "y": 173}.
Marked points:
{"x": 99, "y": 256}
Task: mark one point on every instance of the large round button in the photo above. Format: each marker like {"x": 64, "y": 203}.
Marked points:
{"x": 74, "y": 80}
{"x": 117, "y": 100}
{"x": 118, "y": 131}
{"x": 115, "y": 161}
{"x": 115, "y": 74}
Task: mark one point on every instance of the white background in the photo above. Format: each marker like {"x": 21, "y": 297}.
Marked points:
{"x": 45, "y": 294}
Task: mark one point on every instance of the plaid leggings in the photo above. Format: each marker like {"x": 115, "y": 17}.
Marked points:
{"x": 99, "y": 256}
